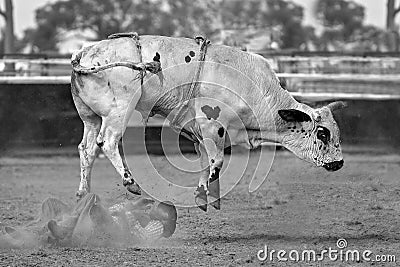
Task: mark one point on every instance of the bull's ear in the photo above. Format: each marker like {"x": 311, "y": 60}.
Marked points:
{"x": 336, "y": 105}
{"x": 293, "y": 115}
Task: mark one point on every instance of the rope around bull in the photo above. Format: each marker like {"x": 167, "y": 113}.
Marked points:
{"x": 153, "y": 67}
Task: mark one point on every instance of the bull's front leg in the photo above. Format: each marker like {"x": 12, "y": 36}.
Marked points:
{"x": 201, "y": 191}
{"x": 211, "y": 152}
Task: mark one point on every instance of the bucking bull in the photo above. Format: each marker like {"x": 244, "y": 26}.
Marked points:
{"x": 215, "y": 95}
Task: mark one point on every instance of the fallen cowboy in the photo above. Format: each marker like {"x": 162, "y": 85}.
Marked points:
{"x": 89, "y": 222}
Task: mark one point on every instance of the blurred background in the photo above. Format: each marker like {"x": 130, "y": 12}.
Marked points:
{"x": 322, "y": 50}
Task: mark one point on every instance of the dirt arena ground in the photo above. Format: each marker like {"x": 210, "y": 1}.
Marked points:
{"x": 298, "y": 207}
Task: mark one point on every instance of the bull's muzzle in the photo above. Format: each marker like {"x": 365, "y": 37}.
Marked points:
{"x": 334, "y": 165}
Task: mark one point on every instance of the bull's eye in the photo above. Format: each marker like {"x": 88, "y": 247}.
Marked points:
{"x": 323, "y": 134}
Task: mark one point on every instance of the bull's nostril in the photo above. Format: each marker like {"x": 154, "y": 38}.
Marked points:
{"x": 334, "y": 166}
{"x": 340, "y": 163}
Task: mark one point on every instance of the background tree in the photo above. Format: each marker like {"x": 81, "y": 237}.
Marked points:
{"x": 164, "y": 17}
{"x": 341, "y": 19}
{"x": 286, "y": 16}
{"x": 104, "y": 17}
{"x": 240, "y": 14}
{"x": 188, "y": 18}
{"x": 370, "y": 38}
{"x": 393, "y": 9}
{"x": 8, "y": 33}
{"x": 7, "y": 14}
{"x": 96, "y": 19}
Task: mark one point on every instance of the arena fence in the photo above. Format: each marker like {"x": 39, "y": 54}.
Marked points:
{"x": 309, "y": 78}
{"x": 36, "y": 107}
{"x": 310, "y": 87}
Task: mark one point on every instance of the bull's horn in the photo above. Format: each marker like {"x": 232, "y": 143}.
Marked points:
{"x": 336, "y": 105}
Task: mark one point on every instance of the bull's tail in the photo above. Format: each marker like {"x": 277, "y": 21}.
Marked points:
{"x": 153, "y": 67}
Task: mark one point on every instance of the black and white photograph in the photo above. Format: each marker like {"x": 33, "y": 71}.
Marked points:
{"x": 199, "y": 133}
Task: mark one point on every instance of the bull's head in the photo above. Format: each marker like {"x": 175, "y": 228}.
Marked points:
{"x": 313, "y": 135}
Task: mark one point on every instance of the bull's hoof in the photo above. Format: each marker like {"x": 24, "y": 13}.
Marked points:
{"x": 134, "y": 188}
{"x": 131, "y": 186}
{"x": 214, "y": 194}
{"x": 201, "y": 198}
{"x": 80, "y": 194}
{"x": 215, "y": 203}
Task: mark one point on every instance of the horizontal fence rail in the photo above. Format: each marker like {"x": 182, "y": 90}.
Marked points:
{"x": 304, "y": 77}
{"x": 341, "y": 77}
{"x": 300, "y": 93}
{"x": 35, "y": 80}
{"x": 50, "y": 61}
{"x": 295, "y": 76}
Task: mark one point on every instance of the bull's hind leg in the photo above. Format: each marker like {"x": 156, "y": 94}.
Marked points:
{"x": 112, "y": 129}
{"x": 88, "y": 149}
